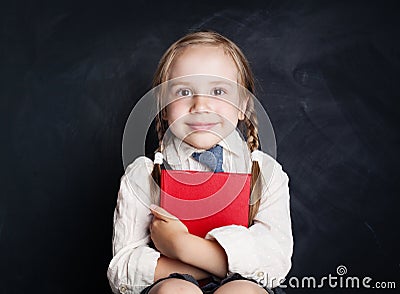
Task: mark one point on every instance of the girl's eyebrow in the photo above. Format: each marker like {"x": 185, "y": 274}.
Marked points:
{"x": 174, "y": 84}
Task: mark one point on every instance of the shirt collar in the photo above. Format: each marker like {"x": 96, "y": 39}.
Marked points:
{"x": 232, "y": 143}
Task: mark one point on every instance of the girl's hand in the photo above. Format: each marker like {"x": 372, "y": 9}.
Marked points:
{"x": 166, "y": 230}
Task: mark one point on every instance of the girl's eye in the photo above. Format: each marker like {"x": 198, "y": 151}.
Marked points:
{"x": 218, "y": 92}
{"x": 184, "y": 92}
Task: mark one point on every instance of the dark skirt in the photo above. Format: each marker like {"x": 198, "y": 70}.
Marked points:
{"x": 212, "y": 284}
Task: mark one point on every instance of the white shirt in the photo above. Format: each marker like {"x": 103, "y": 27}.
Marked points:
{"x": 262, "y": 252}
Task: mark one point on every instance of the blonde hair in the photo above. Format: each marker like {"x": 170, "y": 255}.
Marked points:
{"x": 248, "y": 126}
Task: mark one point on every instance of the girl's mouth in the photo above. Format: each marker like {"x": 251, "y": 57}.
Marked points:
{"x": 201, "y": 126}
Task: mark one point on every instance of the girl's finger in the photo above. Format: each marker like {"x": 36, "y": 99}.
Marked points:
{"x": 161, "y": 213}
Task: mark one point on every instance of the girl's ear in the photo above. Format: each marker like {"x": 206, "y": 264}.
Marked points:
{"x": 242, "y": 108}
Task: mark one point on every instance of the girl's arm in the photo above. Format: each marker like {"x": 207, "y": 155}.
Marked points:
{"x": 134, "y": 262}
{"x": 167, "y": 266}
{"x": 172, "y": 239}
{"x": 205, "y": 254}
{"x": 262, "y": 252}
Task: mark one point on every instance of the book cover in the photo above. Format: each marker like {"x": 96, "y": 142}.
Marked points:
{"x": 206, "y": 200}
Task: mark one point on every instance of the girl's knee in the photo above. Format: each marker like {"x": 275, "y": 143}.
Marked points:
{"x": 240, "y": 287}
{"x": 171, "y": 286}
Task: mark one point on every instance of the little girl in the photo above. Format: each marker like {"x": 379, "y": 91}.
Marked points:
{"x": 230, "y": 259}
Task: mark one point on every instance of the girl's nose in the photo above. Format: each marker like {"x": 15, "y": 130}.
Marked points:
{"x": 200, "y": 104}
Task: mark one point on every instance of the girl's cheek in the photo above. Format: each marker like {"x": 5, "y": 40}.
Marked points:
{"x": 176, "y": 114}
{"x": 228, "y": 103}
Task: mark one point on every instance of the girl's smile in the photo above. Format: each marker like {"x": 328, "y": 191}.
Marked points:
{"x": 201, "y": 126}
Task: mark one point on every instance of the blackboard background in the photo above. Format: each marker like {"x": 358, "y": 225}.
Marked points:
{"x": 328, "y": 74}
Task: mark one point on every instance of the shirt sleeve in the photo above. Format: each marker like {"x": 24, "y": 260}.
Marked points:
{"x": 133, "y": 264}
{"x": 262, "y": 252}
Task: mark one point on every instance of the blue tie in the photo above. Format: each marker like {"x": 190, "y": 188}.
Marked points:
{"x": 212, "y": 158}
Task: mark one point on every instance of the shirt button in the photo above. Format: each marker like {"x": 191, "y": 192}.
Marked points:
{"x": 122, "y": 289}
{"x": 260, "y": 274}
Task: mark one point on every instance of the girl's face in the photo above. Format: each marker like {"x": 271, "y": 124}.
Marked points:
{"x": 206, "y": 108}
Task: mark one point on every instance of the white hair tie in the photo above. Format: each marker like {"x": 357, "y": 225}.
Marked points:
{"x": 158, "y": 158}
{"x": 256, "y": 155}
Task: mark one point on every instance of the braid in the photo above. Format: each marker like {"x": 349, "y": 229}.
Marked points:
{"x": 160, "y": 128}
{"x": 253, "y": 144}
{"x": 252, "y": 131}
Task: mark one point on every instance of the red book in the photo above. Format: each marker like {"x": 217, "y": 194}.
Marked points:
{"x": 206, "y": 200}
